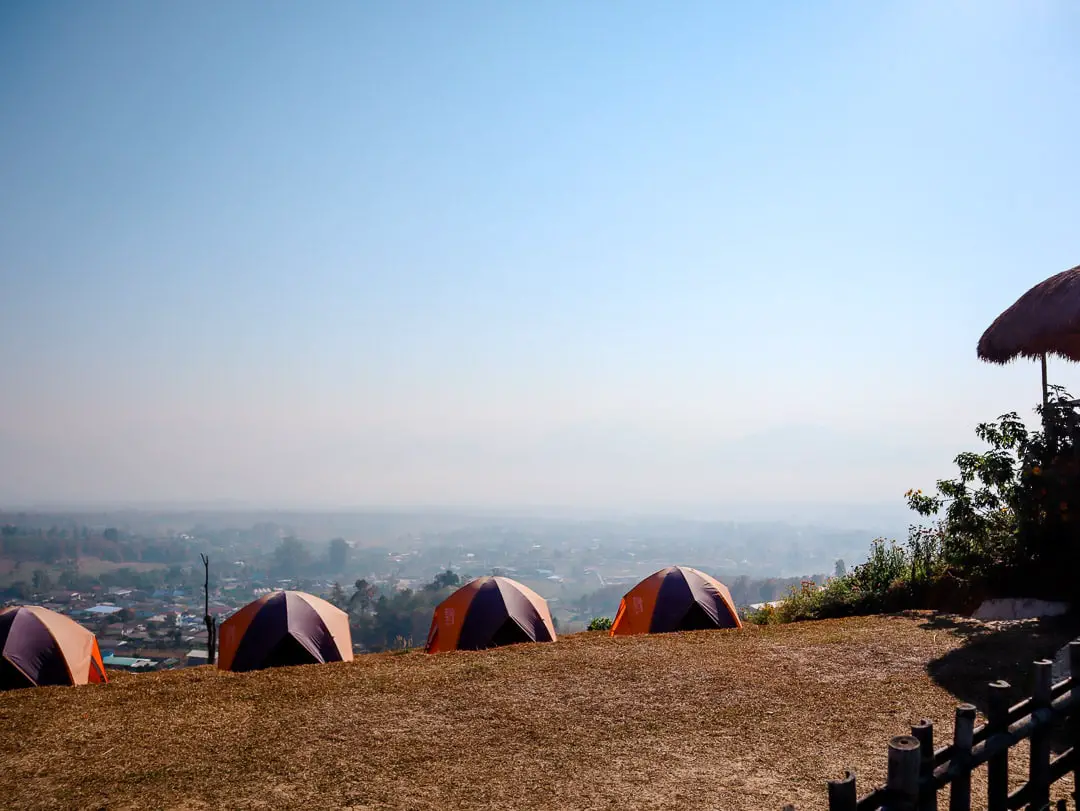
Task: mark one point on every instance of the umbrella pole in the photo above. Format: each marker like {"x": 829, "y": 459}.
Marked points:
{"x": 1046, "y": 393}
{"x": 1048, "y": 424}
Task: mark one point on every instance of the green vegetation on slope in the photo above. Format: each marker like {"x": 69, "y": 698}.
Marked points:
{"x": 1007, "y": 525}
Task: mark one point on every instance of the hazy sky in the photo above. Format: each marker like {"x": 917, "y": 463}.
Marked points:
{"x": 571, "y": 253}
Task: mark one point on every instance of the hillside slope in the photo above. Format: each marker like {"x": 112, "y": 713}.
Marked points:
{"x": 720, "y": 719}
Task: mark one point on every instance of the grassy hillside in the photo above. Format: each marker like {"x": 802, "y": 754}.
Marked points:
{"x": 720, "y": 719}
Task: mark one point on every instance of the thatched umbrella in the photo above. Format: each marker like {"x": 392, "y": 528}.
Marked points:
{"x": 1044, "y": 321}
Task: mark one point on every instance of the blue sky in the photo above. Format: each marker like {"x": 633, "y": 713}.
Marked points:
{"x": 607, "y": 254}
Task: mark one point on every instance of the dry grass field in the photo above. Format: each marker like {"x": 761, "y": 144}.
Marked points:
{"x": 715, "y": 719}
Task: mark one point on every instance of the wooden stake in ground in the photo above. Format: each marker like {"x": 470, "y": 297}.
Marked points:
{"x": 211, "y": 623}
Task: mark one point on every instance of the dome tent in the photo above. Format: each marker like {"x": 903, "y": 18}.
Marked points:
{"x": 284, "y": 628}
{"x": 677, "y": 598}
{"x": 39, "y": 648}
{"x": 489, "y": 612}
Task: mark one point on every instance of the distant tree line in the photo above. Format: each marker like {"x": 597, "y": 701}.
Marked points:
{"x": 1005, "y": 526}
{"x": 293, "y": 557}
{"x": 40, "y": 580}
{"x": 58, "y": 544}
{"x": 393, "y": 618}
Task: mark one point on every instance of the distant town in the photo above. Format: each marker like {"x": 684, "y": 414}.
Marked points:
{"x": 137, "y": 580}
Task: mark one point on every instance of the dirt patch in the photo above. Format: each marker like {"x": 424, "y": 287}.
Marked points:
{"x": 715, "y": 719}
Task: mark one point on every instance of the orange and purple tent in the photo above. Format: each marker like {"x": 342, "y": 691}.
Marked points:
{"x": 284, "y": 628}
{"x": 677, "y": 598}
{"x": 39, "y": 647}
{"x": 489, "y": 612}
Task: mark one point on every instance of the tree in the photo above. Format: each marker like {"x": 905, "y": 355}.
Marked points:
{"x": 740, "y": 590}
{"x": 443, "y": 580}
{"x": 339, "y": 554}
{"x": 69, "y": 577}
{"x": 399, "y": 620}
{"x": 41, "y": 580}
{"x": 363, "y": 597}
{"x": 20, "y": 590}
{"x": 337, "y": 596}
{"x": 291, "y": 557}
{"x": 125, "y": 616}
{"x": 840, "y": 569}
{"x": 1006, "y": 519}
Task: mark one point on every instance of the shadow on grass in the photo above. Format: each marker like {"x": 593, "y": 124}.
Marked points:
{"x": 989, "y": 653}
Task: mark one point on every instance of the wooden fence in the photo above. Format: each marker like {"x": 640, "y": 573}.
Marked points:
{"x": 917, "y": 772}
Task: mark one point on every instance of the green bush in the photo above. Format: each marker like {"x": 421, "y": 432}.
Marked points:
{"x": 766, "y": 615}
{"x": 600, "y": 624}
{"x": 887, "y": 564}
{"x": 1006, "y": 519}
{"x": 1003, "y": 527}
{"x": 874, "y": 586}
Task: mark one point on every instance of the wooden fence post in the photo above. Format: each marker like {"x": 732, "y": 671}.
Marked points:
{"x": 1074, "y": 676}
{"x": 1039, "y": 772}
{"x": 997, "y": 767}
{"x": 842, "y": 793}
{"x": 903, "y": 779}
{"x": 963, "y": 735}
{"x": 923, "y": 732}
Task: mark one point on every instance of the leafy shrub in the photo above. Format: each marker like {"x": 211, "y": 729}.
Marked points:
{"x": 1006, "y": 518}
{"x": 878, "y": 585}
{"x": 600, "y": 624}
{"x": 766, "y": 615}
{"x": 886, "y": 564}
{"x": 1006, "y": 528}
